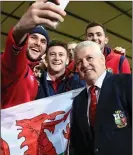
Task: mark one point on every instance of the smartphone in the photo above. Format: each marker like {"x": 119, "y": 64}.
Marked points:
{"x": 62, "y": 5}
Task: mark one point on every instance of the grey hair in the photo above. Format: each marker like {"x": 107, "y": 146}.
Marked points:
{"x": 88, "y": 44}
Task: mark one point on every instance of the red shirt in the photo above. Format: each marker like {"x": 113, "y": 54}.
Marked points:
{"x": 18, "y": 82}
{"x": 112, "y": 63}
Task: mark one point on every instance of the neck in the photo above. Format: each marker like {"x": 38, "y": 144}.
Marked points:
{"x": 93, "y": 81}
{"x": 55, "y": 75}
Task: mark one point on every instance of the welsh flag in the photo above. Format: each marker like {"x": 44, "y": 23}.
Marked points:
{"x": 40, "y": 127}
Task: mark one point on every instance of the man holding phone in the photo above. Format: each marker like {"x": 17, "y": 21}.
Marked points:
{"x": 21, "y": 86}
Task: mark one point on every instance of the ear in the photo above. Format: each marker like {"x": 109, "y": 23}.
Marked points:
{"x": 67, "y": 62}
{"x": 106, "y": 40}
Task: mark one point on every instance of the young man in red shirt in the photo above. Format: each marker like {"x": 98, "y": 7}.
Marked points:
{"x": 115, "y": 63}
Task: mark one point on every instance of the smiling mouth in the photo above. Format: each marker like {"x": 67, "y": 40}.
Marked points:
{"x": 87, "y": 70}
{"x": 35, "y": 50}
{"x": 56, "y": 64}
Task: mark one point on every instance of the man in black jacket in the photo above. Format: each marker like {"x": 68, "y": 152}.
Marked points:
{"x": 101, "y": 120}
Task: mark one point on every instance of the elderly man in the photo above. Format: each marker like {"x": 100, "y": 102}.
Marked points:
{"x": 102, "y": 113}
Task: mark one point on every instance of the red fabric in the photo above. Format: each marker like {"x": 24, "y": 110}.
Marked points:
{"x": 112, "y": 63}
{"x": 32, "y": 64}
{"x": 71, "y": 67}
{"x": 18, "y": 82}
{"x": 92, "y": 108}
{"x": 55, "y": 84}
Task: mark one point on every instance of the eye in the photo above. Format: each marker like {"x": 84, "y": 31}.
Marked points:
{"x": 89, "y": 35}
{"x": 61, "y": 54}
{"x": 52, "y": 54}
{"x": 89, "y": 59}
{"x": 44, "y": 41}
{"x": 33, "y": 37}
{"x": 99, "y": 34}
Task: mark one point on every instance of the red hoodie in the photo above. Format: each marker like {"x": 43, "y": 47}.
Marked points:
{"x": 18, "y": 82}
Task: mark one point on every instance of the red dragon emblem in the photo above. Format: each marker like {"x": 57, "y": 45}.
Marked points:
{"x": 35, "y": 137}
{"x": 4, "y": 148}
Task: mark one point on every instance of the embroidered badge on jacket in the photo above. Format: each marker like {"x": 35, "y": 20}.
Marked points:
{"x": 110, "y": 70}
{"x": 120, "y": 119}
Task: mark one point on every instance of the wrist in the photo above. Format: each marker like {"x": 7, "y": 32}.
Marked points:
{"x": 19, "y": 36}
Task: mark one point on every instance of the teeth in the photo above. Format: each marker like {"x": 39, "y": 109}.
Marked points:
{"x": 35, "y": 49}
{"x": 55, "y": 64}
{"x": 88, "y": 70}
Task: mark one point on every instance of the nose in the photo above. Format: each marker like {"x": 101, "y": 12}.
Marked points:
{"x": 38, "y": 42}
{"x": 94, "y": 37}
{"x": 84, "y": 63}
{"x": 56, "y": 57}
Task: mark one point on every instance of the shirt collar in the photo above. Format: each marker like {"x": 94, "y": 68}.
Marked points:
{"x": 48, "y": 77}
{"x": 99, "y": 81}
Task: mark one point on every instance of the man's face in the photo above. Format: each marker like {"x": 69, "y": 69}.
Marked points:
{"x": 97, "y": 34}
{"x": 71, "y": 48}
{"x": 90, "y": 64}
{"x": 57, "y": 59}
{"x": 37, "y": 44}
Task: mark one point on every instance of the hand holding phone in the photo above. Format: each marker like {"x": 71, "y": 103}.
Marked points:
{"x": 62, "y": 5}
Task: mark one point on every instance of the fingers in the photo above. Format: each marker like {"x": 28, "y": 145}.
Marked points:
{"x": 47, "y": 22}
{"x": 46, "y": 13}
{"x": 50, "y": 15}
{"x": 120, "y": 49}
{"x": 49, "y": 6}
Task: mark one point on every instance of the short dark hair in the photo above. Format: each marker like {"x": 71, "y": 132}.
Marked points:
{"x": 93, "y": 24}
{"x": 57, "y": 43}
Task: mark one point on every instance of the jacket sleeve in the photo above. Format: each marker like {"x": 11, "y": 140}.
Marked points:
{"x": 129, "y": 92}
{"x": 126, "y": 66}
{"x": 14, "y": 61}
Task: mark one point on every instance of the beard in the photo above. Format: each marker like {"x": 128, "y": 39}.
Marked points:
{"x": 31, "y": 58}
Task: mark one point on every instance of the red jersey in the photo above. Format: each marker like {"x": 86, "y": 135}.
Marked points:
{"x": 113, "y": 63}
{"x": 18, "y": 82}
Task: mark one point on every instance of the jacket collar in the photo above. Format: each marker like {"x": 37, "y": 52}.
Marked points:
{"x": 32, "y": 64}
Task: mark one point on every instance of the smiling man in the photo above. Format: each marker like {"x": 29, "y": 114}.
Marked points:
{"x": 36, "y": 46}
{"x": 57, "y": 80}
{"x": 27, "y": 39}
{"x": 37, "y": 43}
{"x": 115, "y": 63}
{"x": 102, "y": 112}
